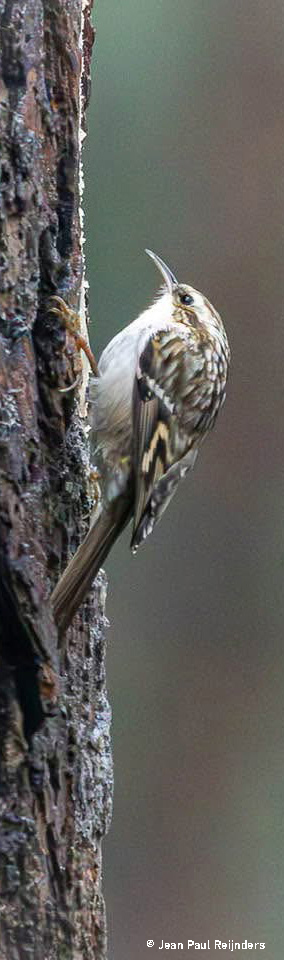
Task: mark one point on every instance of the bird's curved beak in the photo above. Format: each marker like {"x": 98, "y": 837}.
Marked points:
{"x": 169, "y": 277}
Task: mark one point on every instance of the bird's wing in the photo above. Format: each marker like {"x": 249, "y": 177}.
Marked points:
{"x": 162, "y": 447}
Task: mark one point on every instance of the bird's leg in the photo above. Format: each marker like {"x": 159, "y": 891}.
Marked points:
{"x": 71, "y": 321}
{"x": 94, "y": 481}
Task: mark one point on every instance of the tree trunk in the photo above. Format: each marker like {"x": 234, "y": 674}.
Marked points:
{"x": 56, "y": 772}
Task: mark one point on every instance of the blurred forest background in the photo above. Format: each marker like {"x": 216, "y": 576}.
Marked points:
{"x": 185, "y": 155}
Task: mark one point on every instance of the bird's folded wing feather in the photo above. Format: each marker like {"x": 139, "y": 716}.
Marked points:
{"x": 164, "y": 374}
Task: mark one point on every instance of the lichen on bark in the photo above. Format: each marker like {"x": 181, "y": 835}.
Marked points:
{"x": 56, "y": 769}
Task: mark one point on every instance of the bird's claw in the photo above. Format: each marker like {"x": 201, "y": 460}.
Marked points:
{"x": 69, "y": 317}
{"x": 72, "y": 322}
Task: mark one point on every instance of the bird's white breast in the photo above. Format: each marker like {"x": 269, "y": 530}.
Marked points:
{"x": 117, "y": 369}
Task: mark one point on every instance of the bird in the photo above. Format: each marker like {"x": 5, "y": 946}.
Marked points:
{"x": 159, "y": 386}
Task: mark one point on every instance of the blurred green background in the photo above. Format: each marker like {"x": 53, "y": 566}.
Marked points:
{"x": 185, "y": 155}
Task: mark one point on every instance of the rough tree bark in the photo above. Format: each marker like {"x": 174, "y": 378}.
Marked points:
{"x": 56, "y": 774}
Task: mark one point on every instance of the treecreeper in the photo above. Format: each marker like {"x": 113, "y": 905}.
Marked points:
{"x": 159, "y": 386}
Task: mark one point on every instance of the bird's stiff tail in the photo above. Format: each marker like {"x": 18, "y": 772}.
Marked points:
{"x": 76, "y": 581}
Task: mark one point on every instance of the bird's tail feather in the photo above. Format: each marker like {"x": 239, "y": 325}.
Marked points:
{"x": 76, "y": 581}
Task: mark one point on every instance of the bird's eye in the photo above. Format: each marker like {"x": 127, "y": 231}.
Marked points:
{"x": 187, "y": 299}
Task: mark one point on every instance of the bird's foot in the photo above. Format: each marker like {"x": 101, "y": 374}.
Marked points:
{"x": 94, "y": 479}
{"x": 72, "y": 323}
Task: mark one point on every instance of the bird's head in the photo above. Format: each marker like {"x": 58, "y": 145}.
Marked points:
{"x": 189, "y": 306}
